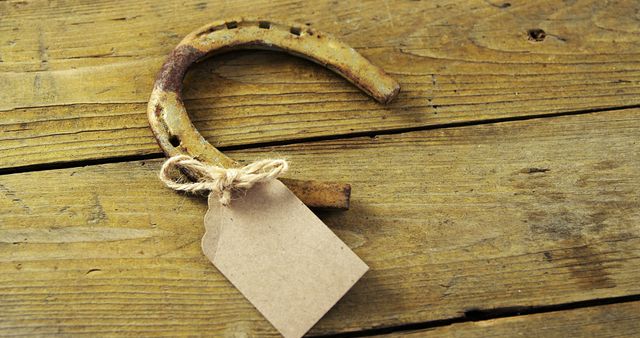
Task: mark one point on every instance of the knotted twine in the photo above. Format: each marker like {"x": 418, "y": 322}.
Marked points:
{"x": 185, "y": 173}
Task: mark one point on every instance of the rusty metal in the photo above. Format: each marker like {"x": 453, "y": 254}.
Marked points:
{"x": 177, "y": 135}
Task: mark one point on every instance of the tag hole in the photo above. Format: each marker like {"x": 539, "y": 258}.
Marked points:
{"x": 174, "y": 140}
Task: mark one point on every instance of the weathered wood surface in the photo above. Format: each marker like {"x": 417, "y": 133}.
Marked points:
{"x": 615, "y": 320}
{"x": 525, "y": 213}
{"x": 76, "y": 75}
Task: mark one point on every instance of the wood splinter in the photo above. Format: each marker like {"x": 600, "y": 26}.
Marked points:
{"x": 177, "y": 135}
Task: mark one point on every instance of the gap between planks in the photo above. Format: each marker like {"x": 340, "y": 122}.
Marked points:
{"x": 482, "y": 315}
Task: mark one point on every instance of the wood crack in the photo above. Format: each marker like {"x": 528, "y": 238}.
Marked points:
{"x": 477, "y": 315}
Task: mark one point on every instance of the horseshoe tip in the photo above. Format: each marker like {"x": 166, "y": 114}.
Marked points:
{"x": 392, "y": 94}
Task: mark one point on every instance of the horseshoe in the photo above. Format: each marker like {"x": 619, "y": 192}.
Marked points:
{"x": 176, "y": 134}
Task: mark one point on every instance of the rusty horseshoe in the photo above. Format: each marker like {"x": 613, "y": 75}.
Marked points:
{"x": 176, "y": 134}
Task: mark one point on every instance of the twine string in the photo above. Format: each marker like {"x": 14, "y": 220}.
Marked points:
{"x": 185, "y": 173}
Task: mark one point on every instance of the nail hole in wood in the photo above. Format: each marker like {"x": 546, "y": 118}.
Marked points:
{"x": 536, "y": 34}
{"x": 174, "y": 140}
{"x": 295, "y": 31}
{"x": 264, "y": 24}
{"x": 232, "y": 24}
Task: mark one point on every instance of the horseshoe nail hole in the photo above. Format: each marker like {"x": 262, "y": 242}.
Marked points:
{"x": 174, "y": 140}
{"x": 264, "y": 24}
{"x": 295, "y": 31}
{"x": 536, "y": 34}
{"x": 232, "y": 24}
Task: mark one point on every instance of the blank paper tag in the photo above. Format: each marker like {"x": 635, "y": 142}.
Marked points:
{"x": 280, "y": 255}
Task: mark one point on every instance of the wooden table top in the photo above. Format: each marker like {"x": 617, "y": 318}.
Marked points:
{"x": 497, "y": 196}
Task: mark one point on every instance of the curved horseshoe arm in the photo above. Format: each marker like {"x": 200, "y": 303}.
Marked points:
{"x": 177, "y": 135}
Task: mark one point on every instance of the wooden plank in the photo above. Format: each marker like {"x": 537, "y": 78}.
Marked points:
{"x": 614, "y": 320}
{"x": 76, "y": 77}
{"x": 526, "y": 213}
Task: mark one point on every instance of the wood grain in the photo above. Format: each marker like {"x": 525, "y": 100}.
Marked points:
{"x": 615, "y": 320}
{"x": 78, "y": 75}
{"x": 525, "y": 213}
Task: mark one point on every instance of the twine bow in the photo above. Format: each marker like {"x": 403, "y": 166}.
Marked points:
{"x": 184, "y": 173}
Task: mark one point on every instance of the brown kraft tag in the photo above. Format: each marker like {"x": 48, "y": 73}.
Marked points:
{"x": 280, "y": 256}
